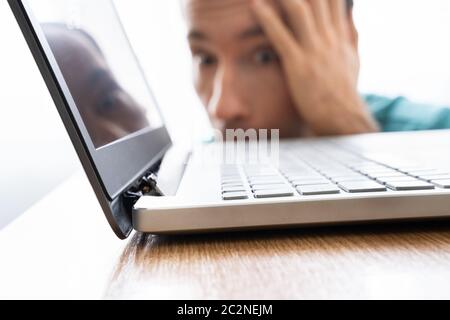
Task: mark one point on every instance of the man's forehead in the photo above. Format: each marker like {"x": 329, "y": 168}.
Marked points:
{"x": 234, "y": 15}
{"x": 201, "y": 9}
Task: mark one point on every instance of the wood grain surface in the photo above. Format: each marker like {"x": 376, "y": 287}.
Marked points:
{"x": 63, "y": 248}
{"x": 358, "y": 262}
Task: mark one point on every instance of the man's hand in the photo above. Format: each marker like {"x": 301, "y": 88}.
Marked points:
{"x": 319, "y": 56}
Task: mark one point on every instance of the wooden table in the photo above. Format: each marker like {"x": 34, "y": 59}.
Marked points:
{"x": 63, "y": 248}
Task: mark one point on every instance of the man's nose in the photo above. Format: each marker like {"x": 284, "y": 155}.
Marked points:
{"x": 227, "y": 102}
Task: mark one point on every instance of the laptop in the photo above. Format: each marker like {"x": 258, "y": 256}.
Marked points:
{"x": 144, "y": 181}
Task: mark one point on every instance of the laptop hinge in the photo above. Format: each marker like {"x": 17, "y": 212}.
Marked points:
{"x": 146, "y": 186}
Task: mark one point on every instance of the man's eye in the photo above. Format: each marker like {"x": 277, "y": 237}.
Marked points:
{"x": 107, "y": 104}
{"x": 206, "y": 60}
{"x": 266, "y": 56}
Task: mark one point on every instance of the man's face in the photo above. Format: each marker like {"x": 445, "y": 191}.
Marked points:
{"x": 108, "y": 111}
{"x": 238, "y": 76}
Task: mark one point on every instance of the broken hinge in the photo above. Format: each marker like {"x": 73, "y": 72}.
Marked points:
{"x": 146, "y": 186}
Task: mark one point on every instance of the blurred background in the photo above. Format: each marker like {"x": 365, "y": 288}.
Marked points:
{"x": 404, "y": 45}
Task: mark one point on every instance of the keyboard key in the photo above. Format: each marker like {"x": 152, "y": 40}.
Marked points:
{"x": 370, "y": 167}
{"x": 417, "y": 170}
{"x": 381, "y": 173}
{"x": 360, "y": 187}
{"x": 231, "y": 181}
{"x": 318, "y": 190}
{"x": 266, "y": 182}
{"x": 435, "y": 177}
{"x": 389, "y": 176}
{"x": 350, "y": 179}
{"x": 407, "y": 167}
{"x": 258, "y": 172}
{"x": 442, "y": 183}
{"x": 270, "y": 187}
{"x": 261, "y": 194}
{"x": 263, "y": 183}
{"x": 397, "y": 179}
{"x": 298, "y": 172}
{"x": 306, "y": 177}
{"x": 341, "y": 174}
{"x": 267, "y": 178}
{"x": 298, "y": 183}
{"x": 262, "y": 176}
{"x": 329, "y": 167}
{"x": 410, "y": 185}
{"x": 429, "y": 173}
{"x": 233, "y": 189}
{"x": 232, "y": 184}
{"x": 235, "y": 196}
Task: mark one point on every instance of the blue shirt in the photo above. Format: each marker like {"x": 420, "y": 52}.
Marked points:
{"x": 400, "y": 114}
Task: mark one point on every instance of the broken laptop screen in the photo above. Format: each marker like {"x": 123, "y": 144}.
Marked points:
{"x": 102, "y": 74}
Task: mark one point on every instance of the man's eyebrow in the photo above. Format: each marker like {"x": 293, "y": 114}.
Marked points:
{"x": 255, "y": 31}
{"x": 197, "y": 35}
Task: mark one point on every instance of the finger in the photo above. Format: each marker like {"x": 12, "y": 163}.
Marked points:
{"x": 277, "y": 32}
{"x": 338, "y": 10}
{"x": 354, "y": 36}
{"x": 321, "y": 12}
{"x": 301, "y": 19}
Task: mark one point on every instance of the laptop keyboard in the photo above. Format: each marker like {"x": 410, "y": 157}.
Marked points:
{"x": 315, "y": 172}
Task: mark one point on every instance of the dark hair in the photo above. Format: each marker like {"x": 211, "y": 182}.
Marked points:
{"x": 64, "y": 29}
{"x": 349, "y": 4}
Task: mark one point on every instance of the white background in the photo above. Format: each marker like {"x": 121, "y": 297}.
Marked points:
{"x": 405, "y": 50}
